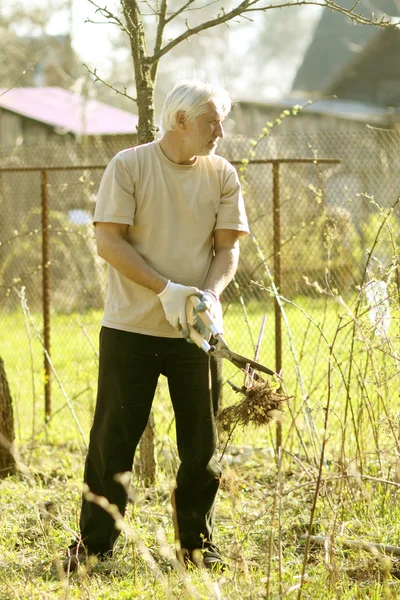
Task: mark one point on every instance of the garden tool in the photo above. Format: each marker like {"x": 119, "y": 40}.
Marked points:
{"x": 219, "y": 348}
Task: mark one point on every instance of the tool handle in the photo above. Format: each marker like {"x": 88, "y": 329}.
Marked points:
{"x": 198, "y": 339}
{"x": 195, "y": 336}
{"x": 205, "y": 316}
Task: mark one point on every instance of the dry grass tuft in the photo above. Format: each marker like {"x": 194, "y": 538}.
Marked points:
{"x": 260, "y": 404}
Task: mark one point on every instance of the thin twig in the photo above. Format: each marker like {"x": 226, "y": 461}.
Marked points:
{"x": 372, "y": 547}
{"x": 257, "y": 349}
{"x": 307, "y": 413}
{"x": 71, "y": 408}
{"x": 280, "y": 489}
{"x": 244, "y": 309}
{"x": 28, "y": 332}
{"x": 271, "y": 537}
{"x": 321, "y": 461}
{"x": 110, "y": 16}
{"x": 19, "y": 78}
{"x": 109, "y": 85}
{"x": 85, "y": 333}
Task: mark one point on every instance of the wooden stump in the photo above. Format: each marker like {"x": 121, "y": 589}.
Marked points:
{"x": 7, "y": 461}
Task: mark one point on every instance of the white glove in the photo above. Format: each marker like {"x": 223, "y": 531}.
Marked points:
{"x": 173, "y": 299}
{"x": 210, "y": 301}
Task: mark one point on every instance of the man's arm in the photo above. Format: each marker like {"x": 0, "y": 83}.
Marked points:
{"x": 225, "y": 261}
{"x": 113, "y": 246}
{"x": 118, "y": 252}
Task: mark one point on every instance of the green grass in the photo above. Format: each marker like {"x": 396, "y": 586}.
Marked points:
{"x": 264, "y": 507}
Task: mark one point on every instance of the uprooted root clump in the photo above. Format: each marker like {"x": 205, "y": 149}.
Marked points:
{"x": 260, "y": 404}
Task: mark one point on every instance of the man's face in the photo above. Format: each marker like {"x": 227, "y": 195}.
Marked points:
{"x": 202, "y": 132}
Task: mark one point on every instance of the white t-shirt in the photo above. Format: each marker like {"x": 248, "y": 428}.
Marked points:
{"x": 172, "y": 211}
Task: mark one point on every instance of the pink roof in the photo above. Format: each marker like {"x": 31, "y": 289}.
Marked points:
{"x": 60, "y": 108}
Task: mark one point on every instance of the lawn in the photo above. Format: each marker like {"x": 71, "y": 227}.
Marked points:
{"x": 336, "y": 475}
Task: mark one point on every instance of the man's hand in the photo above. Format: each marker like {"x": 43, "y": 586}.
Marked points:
{"x": 173, "y": 299}
{"x": 209, "y": 301}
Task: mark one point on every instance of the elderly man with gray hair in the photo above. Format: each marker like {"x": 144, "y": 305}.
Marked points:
{"x": 169, "y": 215}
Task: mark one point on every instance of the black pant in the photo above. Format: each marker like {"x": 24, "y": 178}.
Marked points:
{"x": 130, "y": 365}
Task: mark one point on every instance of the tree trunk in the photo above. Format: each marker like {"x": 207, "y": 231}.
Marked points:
{"x": 147, "y": 129}
{"x": 148, "y": 460}
{"x": 145, "y": 72}
{"x": 146, "y": 133}
{"x": 7, "y": 461}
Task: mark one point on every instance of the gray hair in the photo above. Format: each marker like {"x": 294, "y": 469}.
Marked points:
{"x": 191, "y": 96}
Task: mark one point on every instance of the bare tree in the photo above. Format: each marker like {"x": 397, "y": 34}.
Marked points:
{"x": 30, "y": 55}
{"x": 151, "y": 22}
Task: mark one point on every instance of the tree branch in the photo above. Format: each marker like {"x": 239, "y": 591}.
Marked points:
{"x": 109, "y": 85}
{"x": 355, "y": 5}
{"x": 154, "y": 11}
{"x": 180, "y": 10}
{"x": 137, "y": 35}
{"x": 384, "y": 21}
{"x": 19, "y": 78}
{"x": 172, "y": 15}
{"x": 223, "y": 18}
{"x": 109, "y": 15}
{"x": 250, "y": 6}
{"x": 162, "y": 21}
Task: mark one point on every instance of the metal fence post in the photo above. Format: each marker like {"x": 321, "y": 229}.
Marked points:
{"x": 46, "y": 289}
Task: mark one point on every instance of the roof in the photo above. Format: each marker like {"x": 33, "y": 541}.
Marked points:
{"x": 336, "y": 41}
{"x": 70, "y": 112}
{"x": 374, "y": 74}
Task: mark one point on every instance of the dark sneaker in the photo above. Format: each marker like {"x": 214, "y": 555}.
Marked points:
{"x": 208, "y": 557}
{"x": 212, "y": 558}
{"x": 78, "y": 556}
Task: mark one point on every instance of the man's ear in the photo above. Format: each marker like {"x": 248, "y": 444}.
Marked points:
{"x": 181, "y": 119}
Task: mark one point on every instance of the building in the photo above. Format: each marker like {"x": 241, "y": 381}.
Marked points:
{"x": 373, "y": 75}
{"x": 284, "y": 116}
{"x": 37, "y": 115}
{"x": 335, "y": 43}
{"x": 349, "y": 79}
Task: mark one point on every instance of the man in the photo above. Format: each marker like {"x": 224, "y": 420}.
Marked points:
{"x": 168, "y": 218}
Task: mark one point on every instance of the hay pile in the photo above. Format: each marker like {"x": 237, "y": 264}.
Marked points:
{"x": 260, "y": 404}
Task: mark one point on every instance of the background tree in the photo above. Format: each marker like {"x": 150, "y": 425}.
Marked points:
{"x": 154, "y": 28}
{"x": 30, "y": 55}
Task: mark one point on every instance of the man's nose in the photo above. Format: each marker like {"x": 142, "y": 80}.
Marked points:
{"x": 219, "y": 130}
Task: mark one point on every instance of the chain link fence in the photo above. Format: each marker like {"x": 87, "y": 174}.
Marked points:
{"x": 324, "y": 219}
